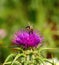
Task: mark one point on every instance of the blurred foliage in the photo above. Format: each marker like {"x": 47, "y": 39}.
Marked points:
{"x": 42, "y": 14}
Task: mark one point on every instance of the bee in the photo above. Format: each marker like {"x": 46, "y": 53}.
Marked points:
{"x": 29, "y": 29}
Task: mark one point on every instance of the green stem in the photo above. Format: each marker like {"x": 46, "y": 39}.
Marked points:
{"x": 16, "y": 62}
{"x": 11, "y": 55}
{"x": 17, "y": 56}
{"x": 48, "y": 49}
{"x": 46, "y": 60}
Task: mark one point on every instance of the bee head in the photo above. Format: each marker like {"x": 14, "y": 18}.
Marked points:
{"x": 29, "y": 28}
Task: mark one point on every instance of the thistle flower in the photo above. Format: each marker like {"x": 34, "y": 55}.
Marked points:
{"x": 27, "y": 38}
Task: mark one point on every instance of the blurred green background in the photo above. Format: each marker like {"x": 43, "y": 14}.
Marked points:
{"x": 16, "y": 14}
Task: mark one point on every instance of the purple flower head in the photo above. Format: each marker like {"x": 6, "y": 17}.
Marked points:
{"x": 27, "y": 38}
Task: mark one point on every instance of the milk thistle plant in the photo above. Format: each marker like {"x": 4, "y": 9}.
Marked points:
{"x": 27, "y": 43}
